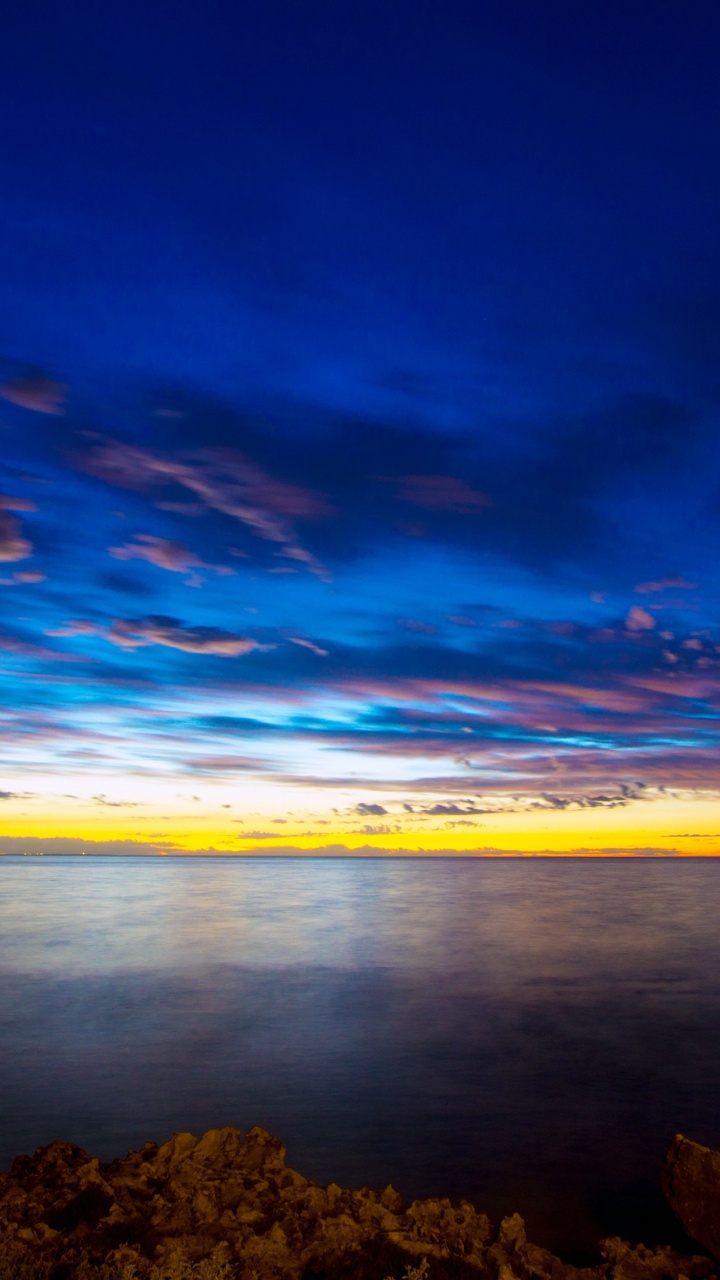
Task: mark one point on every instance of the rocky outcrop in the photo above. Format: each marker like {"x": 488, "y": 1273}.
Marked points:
{"x": 691, "y": 1182}
{"x": 226, "y": 1207}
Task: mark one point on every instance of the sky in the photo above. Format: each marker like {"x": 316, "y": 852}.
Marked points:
{"x": 359, "y": 449}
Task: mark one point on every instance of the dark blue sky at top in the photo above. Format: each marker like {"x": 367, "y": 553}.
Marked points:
{"x": 433, "y": 210}
{"x": 436, "y": 285}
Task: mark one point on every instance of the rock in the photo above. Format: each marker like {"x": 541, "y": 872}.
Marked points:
{"x": 443, "y": 1230}
{"x": 691, "y": 1182}
{"x": 511, "y": 1233}
{"x": 628, "y": 1262}
{"x": 226, "y": 1207}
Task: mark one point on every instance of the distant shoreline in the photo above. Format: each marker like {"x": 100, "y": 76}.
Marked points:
{"x": 350, "y": 855}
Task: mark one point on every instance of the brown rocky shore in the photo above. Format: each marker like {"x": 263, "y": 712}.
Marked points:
{"x": 226, "y": 1207}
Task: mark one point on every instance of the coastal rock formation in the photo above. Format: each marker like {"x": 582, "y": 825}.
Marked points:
{"x": 691, "y": 1182}
{"x": 226, "y": 1207}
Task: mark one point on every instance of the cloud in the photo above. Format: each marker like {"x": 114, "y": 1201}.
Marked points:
{"x": 639, "y": 620}
{"x": 19, "y": 647}
{"x": 223, "y": 480}
{"x": 627, "y": 796}
{"x": 497, "y": 714}
{"x": 76, "y": 627}
{"x": 641, "y": 851}
{"x": 369, "y": 810}
{"x": 13, "y": 546}
{"x": 215, "y": 764}
{"x": 117, "y": 804}
{"x": 137, "y": 633}
{"x": 161, "y": 552}
{"x": 165, "y": 554}
{"x": 438, "y": 810}
{"x": 8, "y": 503}
{"x": 64, "y": 846}
{"x": 442, "y": 493}
{"x": 416, "y": 625}
{"x": 268, "y": 835}
{"x": 540, "y": 504}
{"x": 23, "y": 579}
{"x": 308, "y": 644}
{"x": 130, "y": 633}
{"x": 36, "y": 392}
{"x": 665, "y": 584}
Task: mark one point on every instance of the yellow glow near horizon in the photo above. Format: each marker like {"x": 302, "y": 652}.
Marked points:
{"x": 228, "y": 818}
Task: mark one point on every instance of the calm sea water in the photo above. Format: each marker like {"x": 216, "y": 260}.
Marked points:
{"x": 528, "y": 1035}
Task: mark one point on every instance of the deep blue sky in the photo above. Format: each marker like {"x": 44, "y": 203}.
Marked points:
{"x": 392, "y": 333}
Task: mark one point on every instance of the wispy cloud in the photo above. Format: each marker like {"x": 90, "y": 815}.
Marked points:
{"x": 165, "y": 553}
{"x": 130, "y": 633}
{"x": 13, "y": 546}
{"x": 138, "y": 633}
{"x": 36, "y": 392}
{"x": 665, "y": 584}
{"x": 309, "y": 644}
{"x": 223, "y": 480}
{"x": 442, "y": 493}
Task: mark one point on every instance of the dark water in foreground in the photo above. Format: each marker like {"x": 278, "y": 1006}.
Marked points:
{"x": 528, "y": 1035}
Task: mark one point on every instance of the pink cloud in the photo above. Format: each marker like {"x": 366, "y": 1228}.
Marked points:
{"x": 647, "y": 588}
{"x": 23, "y": 578}
{"x": 191, "y": 509}
{"x": 639, "y": 620}
{"x": 158, "y": 551}
{"x": 25, "y": 649}
{"x": 415, "y": 624}
{"x": 38, "y": 393}
{"x": 308, "y": 644}
{"x": 77, "y": 627}
{"x": 166, "y": 554}
{"x": 227, "y": 764}
{"x": 221, "y": 480}
{"x": 13, "y": 546}
{"x": 16, "y": 504}
{"x": 134, "y": 634}
{"x": 443, "y": 493}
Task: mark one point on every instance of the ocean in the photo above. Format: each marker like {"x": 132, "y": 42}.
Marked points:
{"x": 525, "y": 1034}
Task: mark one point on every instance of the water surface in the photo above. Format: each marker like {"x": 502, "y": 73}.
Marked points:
{"x": 528, "y": 1035}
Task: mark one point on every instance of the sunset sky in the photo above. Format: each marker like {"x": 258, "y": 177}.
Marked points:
{"x": 359, "y": 426}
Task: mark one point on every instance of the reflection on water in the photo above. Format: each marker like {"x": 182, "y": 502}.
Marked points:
{"x": 528, "y": 1035}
